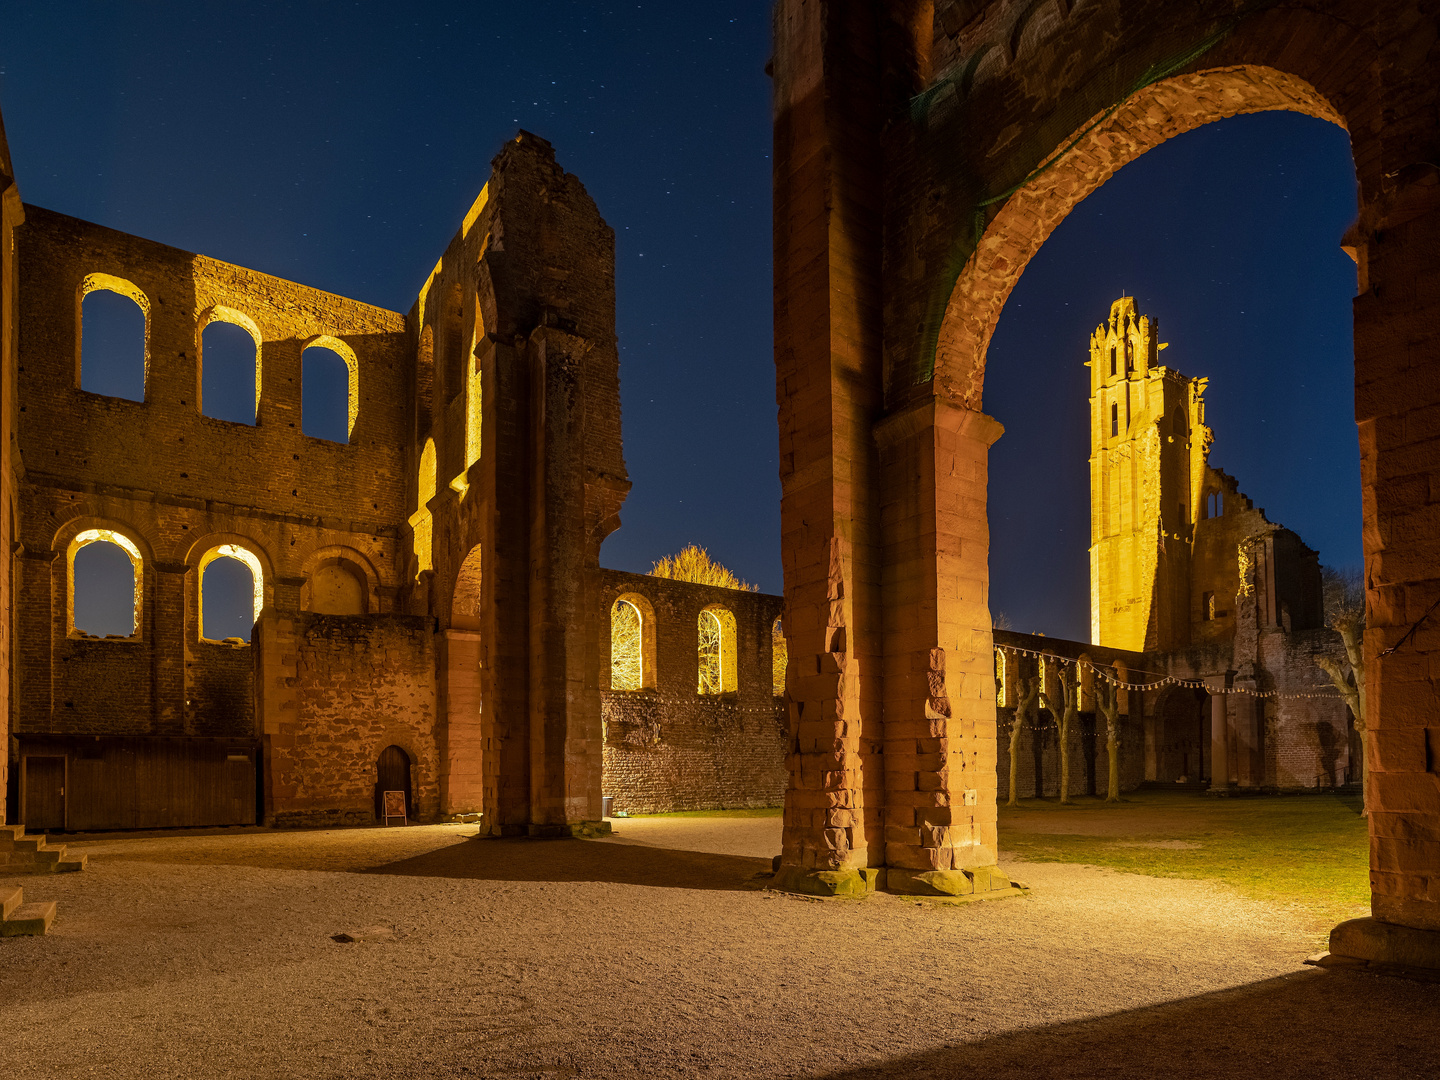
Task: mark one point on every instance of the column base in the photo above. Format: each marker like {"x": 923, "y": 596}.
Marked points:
{"x": 1383, "y": 947}
{"x": 581, "y": 829}
{"x": 851, "y": 881}
{"x": 979, "y": 882}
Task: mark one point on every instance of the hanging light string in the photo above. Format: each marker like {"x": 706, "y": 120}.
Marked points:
{"x": 1110, "y": 677}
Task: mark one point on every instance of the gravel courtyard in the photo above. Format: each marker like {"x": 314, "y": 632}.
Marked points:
{"x": 658, "y": 953}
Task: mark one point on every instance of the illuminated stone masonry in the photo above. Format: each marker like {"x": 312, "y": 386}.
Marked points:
{"x": 1197, "y": 584}
{"x": 923, "y": 154}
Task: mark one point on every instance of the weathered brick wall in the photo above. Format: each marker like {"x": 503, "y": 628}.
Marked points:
{"x": 177, "y": 483}
{"x": 668, "y": 747}
{"x": 333, "y": 692}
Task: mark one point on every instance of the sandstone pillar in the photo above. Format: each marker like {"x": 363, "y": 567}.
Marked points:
{"x": 939, "y": 750}
{"x": 828, "y": 386}
{"x": 1220, "y": 767}
{"x": 1397, "y": 405}
{"x": 462, "y": 738}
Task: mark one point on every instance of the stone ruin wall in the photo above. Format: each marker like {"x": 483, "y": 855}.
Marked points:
{"x": 177, "y": 483}
{"x": 668, "y": 747}
{"x": 335, "y": 691}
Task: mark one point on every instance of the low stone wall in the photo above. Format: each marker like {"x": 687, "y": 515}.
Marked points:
{"x": 669, "y": 747}
{"x": 332, "y": 692}
{"x": 702, "y": 755}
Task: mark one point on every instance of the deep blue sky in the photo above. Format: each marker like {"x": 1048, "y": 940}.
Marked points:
{"x": 1230, "y": 236}
{"x": 340, "y": 145}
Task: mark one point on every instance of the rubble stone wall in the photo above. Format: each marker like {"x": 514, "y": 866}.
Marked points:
{"x": 335, "y": 691}
{"x": 668, "y": 747}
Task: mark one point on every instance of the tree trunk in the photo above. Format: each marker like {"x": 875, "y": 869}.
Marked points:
{"x": 1029, "y": 694}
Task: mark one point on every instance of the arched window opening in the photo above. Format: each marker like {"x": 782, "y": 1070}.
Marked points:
{"x": 632, "y": 643}
{"x": 104, "y": 585}
{"x": 232, "y": 592}
{"x": 336, "y": 589}
{"x": 626, "y": 666}
{"x": 1112, "y": 359}
{"x": 230, "y": 369}
{"x": 779, "y": 656}
{"x": 421, "y": 524}
{"x": 329, "y": 399}
{"x": 716, "y": 651}
{"x": 466, "y": 600}
{"x": 1114, "y": 419}
{"x": 1002, "y": 699}
{"x": 113, "y": 338}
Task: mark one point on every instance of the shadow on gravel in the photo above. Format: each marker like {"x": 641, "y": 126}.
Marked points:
{"x": 583, "y": 860}
{"x": 1308, "y": 1025}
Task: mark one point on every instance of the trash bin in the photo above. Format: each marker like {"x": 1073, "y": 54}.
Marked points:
{"x": 607, "y": 805}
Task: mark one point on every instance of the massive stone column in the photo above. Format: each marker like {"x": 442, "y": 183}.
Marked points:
{"x": 939, "y": 655}
{"x": 828, "y": 364}
{"x": 1397, "y": 405}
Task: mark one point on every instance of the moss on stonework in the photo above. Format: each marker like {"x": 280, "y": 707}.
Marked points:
{"x": 851, "y": 881}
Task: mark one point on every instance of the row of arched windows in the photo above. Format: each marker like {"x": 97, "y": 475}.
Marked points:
{"x": 105, "y": 589}
{"x": 632, "y": 648}
{"x": 114, "y": 361}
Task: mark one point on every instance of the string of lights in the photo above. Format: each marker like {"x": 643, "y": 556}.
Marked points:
{"x": 1164, "y": 680}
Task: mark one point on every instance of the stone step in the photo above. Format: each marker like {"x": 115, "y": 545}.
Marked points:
{"x": 29, "y": 919}
{"x": 47, "y": 860}
{"x": 10, "y": 832}
{"x": 11, "y": 897}
{"x": 23, "y": 843}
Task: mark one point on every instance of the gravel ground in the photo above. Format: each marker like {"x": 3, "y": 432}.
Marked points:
{"x": 657, "y": 953}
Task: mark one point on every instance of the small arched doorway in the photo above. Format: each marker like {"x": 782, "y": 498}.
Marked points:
{"x": 392, "y": 773}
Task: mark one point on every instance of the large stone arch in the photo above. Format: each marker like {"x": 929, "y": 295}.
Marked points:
{"x": 905, "y": 136}
{"x": 1102, "y": 146}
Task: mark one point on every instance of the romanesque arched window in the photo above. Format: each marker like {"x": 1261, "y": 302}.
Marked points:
{"x": 632, "y": 643}
{"x": 104, "y": 574}
{"x": 716, "y": 651}
{"x": 232, "y": 592}
{"x": 779, "y": 656}
{"x": 229, "y": 366}
{"x": 329, "y": 390}
{"x": 114, "y": 356}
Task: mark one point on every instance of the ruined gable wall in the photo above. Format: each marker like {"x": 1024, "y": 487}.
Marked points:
{"x": 671, "y": 748}
{"x": 334, "y": 691}
{"x": 177, "y": 483}
{"x": 522, "y": 306}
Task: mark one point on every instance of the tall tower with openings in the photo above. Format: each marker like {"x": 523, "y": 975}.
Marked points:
{"x": 1148, "y": 445}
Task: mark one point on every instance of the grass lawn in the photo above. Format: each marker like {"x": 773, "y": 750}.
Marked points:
{"x": 1310, "y": 851}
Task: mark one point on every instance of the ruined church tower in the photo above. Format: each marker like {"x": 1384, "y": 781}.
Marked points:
{"x": 1148, "y": 443}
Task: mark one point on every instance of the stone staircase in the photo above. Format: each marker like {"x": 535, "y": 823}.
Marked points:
{"x": 21, "y": 854}
{"x": 18, "y": 919}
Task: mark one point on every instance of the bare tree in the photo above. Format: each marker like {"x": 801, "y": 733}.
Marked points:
{"x": 693, "y": 563}
{"x": 1000, "y": 621}
{"x": 1064, "y": 707}
{"x": 1344, "y": 592}
{"x": 1107, "y": 697}
{"x": 1024, "y": 708}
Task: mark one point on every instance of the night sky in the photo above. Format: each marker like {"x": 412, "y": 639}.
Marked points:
{"x": 340, "y": 145}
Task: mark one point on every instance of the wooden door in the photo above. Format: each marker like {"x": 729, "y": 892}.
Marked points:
{"x": 44, "y": 793}
{"x": 393, "y": 774}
